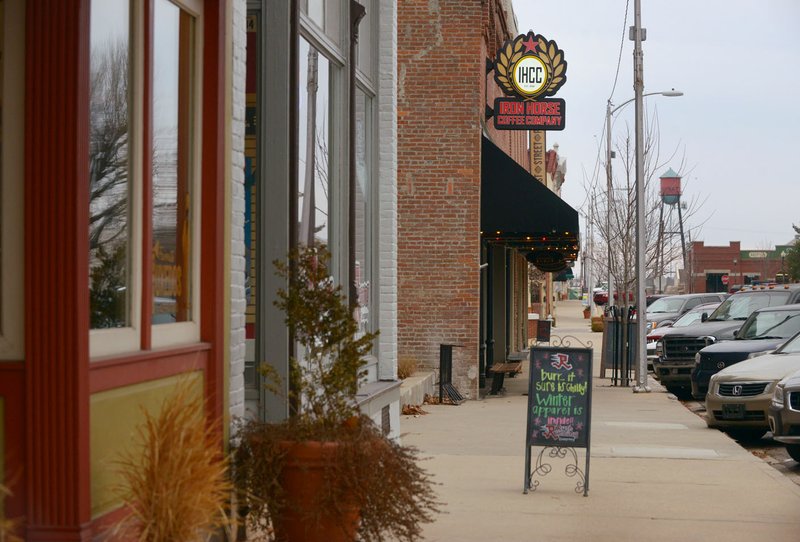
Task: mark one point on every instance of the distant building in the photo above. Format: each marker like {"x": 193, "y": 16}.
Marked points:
{"x": 724, "y": 268}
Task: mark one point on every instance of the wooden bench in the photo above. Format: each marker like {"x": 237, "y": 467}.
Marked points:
{"x": 500, "y": 370}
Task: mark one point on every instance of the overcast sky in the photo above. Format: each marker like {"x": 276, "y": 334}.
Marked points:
{"x": 738, "y": 123}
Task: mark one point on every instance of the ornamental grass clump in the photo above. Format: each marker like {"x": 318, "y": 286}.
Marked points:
{"x": 7, "y": 525}
{"x": 175, "y": 484}
{"x": 376, "y": 475}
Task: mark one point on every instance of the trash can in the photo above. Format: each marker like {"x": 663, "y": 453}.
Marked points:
{"x": 613, "y": 347}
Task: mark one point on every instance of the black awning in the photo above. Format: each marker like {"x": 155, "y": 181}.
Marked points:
{"x": 520, "y": 211}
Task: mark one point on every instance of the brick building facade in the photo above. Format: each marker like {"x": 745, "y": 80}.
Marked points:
{"x": 444, "y": 89}
{"x": 707, "y": 265}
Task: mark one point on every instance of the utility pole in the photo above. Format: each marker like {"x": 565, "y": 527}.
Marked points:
{"x": 641, "y": 305}
{"x": 609, "y": 195}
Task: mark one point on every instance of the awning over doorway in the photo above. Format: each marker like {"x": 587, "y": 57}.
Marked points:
{"x": 517, "y": 210}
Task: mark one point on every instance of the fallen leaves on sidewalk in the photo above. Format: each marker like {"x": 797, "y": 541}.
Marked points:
{"x": 413, "y": 410}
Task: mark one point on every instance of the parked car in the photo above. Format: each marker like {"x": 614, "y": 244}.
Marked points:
{"x": 677, "y": 348}
{"x": 666, "y": 309}
{"x": 689, "y": 318}
{"x": 784, "y": 414}
{"x": 601, "y": 297}
{"x": 762, "y": 332}
{"x": 648, "y": 300}
{"x": 739, "y": 396}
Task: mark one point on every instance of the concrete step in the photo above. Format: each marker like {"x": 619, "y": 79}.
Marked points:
{"x": 414, "y": 388}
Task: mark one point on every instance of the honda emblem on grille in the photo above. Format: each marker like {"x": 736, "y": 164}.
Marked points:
{"x": 737, "y": 390}
{"x": 685, "y": 348}
{"x": 721, "y": 365}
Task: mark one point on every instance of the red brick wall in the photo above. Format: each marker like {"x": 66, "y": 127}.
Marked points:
{"x": 442, "y": 53}
{"x": 704, "y": 259}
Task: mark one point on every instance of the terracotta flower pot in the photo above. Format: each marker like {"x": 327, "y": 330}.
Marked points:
{"x": 303, "y": 480}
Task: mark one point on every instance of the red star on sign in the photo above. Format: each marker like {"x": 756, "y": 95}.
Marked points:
{"x": 530, "y": 45}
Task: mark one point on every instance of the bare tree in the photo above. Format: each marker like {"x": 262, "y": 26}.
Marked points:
{"x": 108, "y": 184}
{"x": 619, "y": 231}
{"x": 108, "y": 144}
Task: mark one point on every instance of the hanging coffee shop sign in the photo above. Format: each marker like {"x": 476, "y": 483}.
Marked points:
{"x": 528, "y": 69}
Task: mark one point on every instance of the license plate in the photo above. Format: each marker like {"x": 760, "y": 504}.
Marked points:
{"x": 733, "y": 412}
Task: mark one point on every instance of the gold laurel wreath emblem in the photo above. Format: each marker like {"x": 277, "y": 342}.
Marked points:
{"x": 549, "y": 54}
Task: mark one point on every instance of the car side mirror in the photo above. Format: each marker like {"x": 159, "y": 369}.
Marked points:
{"x": 704, "y": 317}
{"x": 735, "y": 333}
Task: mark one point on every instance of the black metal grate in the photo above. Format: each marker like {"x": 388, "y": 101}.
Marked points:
{"x": 386, "y": 420}
{"x": 748, "y": 389}
{"x": 684, "y": 348}
{"x": 794, "y": 400}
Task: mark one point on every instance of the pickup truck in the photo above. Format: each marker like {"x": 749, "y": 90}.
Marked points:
{"x": 676, "y": 350}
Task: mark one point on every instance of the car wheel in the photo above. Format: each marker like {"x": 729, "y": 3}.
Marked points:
{"x": 794, "y": 451}
{"x": 680, "y": 392}
{"x": 745, "y": 434}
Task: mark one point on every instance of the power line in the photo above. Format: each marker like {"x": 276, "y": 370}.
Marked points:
{"x": 621, "y": 44}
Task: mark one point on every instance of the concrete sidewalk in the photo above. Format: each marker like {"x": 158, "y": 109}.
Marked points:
{"x": 656, "y": 472}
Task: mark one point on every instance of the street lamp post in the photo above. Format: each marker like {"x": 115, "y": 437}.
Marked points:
{"x": 638, "y": 88}
{"x": 610, "y": 110}
{"x": 783, "y": 267}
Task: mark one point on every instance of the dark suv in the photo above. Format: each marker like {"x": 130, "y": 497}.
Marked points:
{"x": 667, "y": 309}
{"x": 675, "y": 352}
{"x": 762, "y": 332}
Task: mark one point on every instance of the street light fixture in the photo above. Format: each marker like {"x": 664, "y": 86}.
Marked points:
{"x": 609, "y": 113}
{"x": 783, "y": 267}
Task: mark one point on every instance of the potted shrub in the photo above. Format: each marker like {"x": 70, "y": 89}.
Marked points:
{"x": 327, "y": 472}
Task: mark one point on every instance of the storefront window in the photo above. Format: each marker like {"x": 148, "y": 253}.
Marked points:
{"x": 363, "y": 217}
{"x": 251, "y": 214}
{"x": 124, "y": 131}
{"x": 2, "y": 65}
{"x": 172, "y": 162}
{"x": 314, "y": 182}
{"x": 109, "y": 165}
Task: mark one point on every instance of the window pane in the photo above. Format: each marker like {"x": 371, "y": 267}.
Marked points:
{"x": 109, "y": 165}
{"x": 366, "y": 44}
{"x": 314, "y": 172}
{"x": 172, "y": 158}
{"x": 363, "y": 218}
{"x": 326, "y": 15}
{"x": 315, "y": 9}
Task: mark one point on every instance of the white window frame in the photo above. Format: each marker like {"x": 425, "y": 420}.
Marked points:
{"x": 127, "y": 340}
{"x": 164, "y": 335}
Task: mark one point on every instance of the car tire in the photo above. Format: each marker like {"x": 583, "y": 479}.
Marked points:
{"x": 794, "y": 451}
{"x": 680, "y": 392}
{"x": 745, "y": 434}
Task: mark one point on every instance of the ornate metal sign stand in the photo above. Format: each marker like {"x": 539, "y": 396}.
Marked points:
{"x": 559, "y": 410}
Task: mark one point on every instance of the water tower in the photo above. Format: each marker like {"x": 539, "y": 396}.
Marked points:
{"x": 667, "y": 224}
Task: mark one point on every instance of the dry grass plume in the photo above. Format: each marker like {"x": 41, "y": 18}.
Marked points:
{"x": 176, "y": 483}
{"x": 7, "y": 525}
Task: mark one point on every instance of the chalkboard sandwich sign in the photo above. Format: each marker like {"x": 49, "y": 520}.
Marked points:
{"x": 559, "y": 411}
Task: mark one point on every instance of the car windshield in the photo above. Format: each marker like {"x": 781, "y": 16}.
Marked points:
{"x": 666, "y": 304}
{"x": 771, "y": 324}
{"x": 792, "y": 346}
{"x": 741, "y": 305}
{"x": 690, "y": 318}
